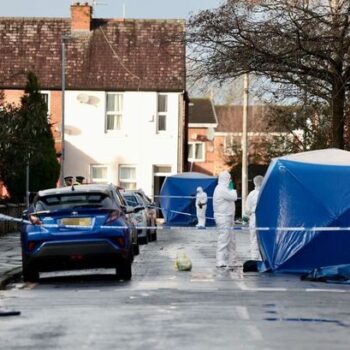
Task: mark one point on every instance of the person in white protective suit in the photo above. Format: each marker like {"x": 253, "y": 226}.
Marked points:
{"x": 201, "y": 207}
{"x": 224, "y": 199}
{"x": 250, "y": 207}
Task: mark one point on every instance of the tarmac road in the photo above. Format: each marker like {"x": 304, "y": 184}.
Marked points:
{"x": 161, "y": 308}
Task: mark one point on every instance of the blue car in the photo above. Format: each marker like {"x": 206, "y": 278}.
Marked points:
{"x": 77, "y": 227}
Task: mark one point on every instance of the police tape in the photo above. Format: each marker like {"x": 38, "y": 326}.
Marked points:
{"x": 4, "y": 217}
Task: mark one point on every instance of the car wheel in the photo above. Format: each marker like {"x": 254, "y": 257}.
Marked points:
{"x": 124, "y": 269}
{"x": 136, "y": 248}
{"x": 143, "y": 240}
{"x": 29, "y": 273}
{"x": 154, "y": 235}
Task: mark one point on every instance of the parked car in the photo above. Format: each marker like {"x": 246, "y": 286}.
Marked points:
{"x": 140, "y": 218}
{"x": 77, "y": 227}
{"x": 151, "y": 211}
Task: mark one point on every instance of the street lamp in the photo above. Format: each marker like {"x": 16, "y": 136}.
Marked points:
{"x": 245, "y": 142}
{"x": 63, "y": 80}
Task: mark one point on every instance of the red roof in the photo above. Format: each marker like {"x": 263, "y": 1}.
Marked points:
{"x": 114, "y": 55}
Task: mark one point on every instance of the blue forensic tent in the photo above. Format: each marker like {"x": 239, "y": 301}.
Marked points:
{"x": 310, "y": 189}
{"x": 178, "y": 196}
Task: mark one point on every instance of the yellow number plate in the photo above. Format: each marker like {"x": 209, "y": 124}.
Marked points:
{"x": 76, "y": 222}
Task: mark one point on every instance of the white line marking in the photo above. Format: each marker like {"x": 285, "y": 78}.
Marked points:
{"x": 255, "y": 333}
{"x": 326, "y": 290}
{"x": 243, "y": 312}
{"x": 242, "y": 286}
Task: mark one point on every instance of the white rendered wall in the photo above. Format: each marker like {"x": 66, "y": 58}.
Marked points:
{"x": 137, "y": 143}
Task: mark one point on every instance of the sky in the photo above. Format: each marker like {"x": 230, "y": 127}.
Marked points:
{"x": 107, "y": 8}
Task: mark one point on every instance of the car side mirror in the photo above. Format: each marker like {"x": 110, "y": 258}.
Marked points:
{"x": 138, "y": 208}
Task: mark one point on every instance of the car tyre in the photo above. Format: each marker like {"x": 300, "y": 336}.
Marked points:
{"x": 136, "y": 248}
{"x": 29, "y": 273}
{"x": 143, "y": 240}
{"x": 124, "y": 271}
{"x": 154, "y": 235}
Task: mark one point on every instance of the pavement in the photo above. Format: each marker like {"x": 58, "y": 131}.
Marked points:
{"x": 10, "y": 258}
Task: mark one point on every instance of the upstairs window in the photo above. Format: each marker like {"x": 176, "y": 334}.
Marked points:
{"x": 114, "y": 111}
{"x": 196, "y": 152}
{"x": 46, "y": 97}
{"x": 162, "y": 113}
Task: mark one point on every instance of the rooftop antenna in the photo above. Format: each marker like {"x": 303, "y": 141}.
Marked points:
{"x": 124, "y": 11}
{"x": 95, "y": 3}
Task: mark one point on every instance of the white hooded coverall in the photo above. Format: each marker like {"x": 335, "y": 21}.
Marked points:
{"x": 250, "y": 207}
{"x": 224, "y": 214}
{"x": 201, "y": 206}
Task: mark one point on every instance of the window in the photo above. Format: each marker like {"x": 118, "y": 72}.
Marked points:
{"x": 162, "y": 113}
{"x": 114, "y": 111}
{"x": 229, "y": 145}
{"x": 46, "y": 97}
{"x": 127, "y": 177}
{"x": 162, "y": 169}
{"x": 99, "y": 173}
{"x": 196, "y": 151}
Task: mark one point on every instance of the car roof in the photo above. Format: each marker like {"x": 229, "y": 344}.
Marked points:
{"x": 93, "y": 188}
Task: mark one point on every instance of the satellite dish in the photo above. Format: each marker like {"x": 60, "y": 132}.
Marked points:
{"x": 83, "y": 98}
{"x": 210, "y": 133}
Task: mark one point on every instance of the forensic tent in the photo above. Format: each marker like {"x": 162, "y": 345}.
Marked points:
{"x": 178, "y": 196}
{"x": 303, "y": 211}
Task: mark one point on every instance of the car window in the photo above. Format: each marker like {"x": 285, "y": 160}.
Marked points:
{"x": 140, "y": 200}
{"x": 68, "y": 201}
{"x": 131, "y": 200}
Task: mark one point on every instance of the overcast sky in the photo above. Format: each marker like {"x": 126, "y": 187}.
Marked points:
{"x": 107, "y": 8}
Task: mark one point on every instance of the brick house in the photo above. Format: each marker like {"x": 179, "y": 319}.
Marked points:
{"x": 124, "y": 101}
{"x": 201, "y": 125}
{"x": 229, "y": 133}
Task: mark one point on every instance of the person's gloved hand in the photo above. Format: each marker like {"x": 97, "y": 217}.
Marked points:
{"x": 231, "y": 185}
{"x": 245, "y": 219}
{"x": 200, "y": 205}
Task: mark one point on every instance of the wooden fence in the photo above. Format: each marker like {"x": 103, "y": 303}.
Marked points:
{"x": 14, "y": 210}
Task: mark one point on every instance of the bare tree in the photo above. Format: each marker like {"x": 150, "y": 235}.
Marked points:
{"x": 299, "y": 43}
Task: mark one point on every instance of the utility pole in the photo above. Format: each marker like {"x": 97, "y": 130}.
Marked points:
{"x": 245, "y": 141}
{"x": 63, "y": 81}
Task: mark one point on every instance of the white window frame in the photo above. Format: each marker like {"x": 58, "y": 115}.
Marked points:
{"x": 98, "y": 180}
{"x": 118, "y": 112}
{"x": 128, "y": 181}
{"x": 228, "y": 143}
{"x": 48, "y": 94}
{"x": 194, "y": 159}
{"x": 162, "y": 114}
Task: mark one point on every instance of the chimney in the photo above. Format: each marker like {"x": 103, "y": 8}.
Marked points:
{"x": 81, "y": 17}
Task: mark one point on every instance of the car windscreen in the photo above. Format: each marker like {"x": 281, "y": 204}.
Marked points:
{"x": 73, "y": 201}
{"x": 131, "y": 200}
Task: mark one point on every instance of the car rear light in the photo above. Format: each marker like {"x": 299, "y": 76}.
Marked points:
{"x": 77, "y": 257}
{"x": 32, "y": 245}
{"x": 112, "y": 216}
{"x": 120, "y": 241}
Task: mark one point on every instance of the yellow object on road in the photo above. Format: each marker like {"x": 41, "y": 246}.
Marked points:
{"x": 183, "y": 262}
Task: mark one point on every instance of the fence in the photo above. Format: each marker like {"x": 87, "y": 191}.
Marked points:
{"x": 14, "y": 210}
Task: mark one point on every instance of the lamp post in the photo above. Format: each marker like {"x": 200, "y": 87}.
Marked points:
{"x": 245, "y": 141}
{"x": 63, "y": 81}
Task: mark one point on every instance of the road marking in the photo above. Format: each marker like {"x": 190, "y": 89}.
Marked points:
{"x": 255, "y": 333}
{"x": 243, "y": 312}
{"x": 326, "y": 290}
{"x": 243, "y": 286}
{"x": 202, "y": 280}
